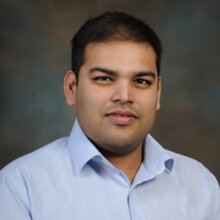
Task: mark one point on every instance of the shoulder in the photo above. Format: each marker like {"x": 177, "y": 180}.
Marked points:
{"x": 38, "y": 160}
{"x": 195, "y": 177}
{"x": 189, "y": 167}
{"x": 182, "y": 162}
{"x": 20, "y": 179}
{"x": 195, "y": 184}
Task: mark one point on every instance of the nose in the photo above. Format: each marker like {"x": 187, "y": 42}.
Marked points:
{"x": 123, "y": 93}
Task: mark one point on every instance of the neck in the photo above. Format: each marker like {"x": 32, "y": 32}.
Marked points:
{"x": 129, "y": 163}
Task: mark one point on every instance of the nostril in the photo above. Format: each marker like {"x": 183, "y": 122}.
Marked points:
{"x": 122, "y": 96}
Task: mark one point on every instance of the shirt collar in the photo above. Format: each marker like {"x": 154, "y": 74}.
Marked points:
{"x": 81, "y": 148}
{"x": 156, "y": 159}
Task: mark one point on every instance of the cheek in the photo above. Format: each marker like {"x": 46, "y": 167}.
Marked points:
{"x": 89, "y": 100}
{"x": 82, "y": 102}
{"x": 148, "y": 101}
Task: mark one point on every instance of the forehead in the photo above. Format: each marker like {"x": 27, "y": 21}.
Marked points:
{"x": 121, "y": 56}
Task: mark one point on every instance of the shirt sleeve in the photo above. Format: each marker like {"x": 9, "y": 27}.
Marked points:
{"x": 216, "y": 201}
{"x": 13, "y": 198}
{"x": 215, "y": 194}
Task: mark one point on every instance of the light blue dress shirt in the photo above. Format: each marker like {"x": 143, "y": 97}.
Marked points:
{"x": 70, "y": 180}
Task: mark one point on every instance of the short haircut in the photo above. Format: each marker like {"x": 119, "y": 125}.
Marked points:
{"x": 110, "y": 27}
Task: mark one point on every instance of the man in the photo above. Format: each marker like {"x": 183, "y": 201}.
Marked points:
{"x": 110, "y": 167}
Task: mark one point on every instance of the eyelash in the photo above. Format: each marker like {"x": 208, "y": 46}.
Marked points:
{"x": 143, "y": 81}
{"x": 102, "y": 78}
{"x": 139, "y": 82}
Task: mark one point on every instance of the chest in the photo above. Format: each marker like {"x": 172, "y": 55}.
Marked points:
{"x": 105, "y": 198}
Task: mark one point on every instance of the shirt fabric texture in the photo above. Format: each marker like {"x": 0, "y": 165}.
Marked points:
{"x": 70, "y": 179}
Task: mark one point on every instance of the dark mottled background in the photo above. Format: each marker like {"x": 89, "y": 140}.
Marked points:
{"x": 35, "y": 53}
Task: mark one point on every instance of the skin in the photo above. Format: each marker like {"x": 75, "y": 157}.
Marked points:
{"x": 116, "y": 99}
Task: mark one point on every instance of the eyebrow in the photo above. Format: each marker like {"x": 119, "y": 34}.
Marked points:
{"x": 103, "y": 70}
{"x": 145, "y": 73}
{"x": 114, "y": 73}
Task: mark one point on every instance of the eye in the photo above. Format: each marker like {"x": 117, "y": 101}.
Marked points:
{"x": 143, "y": 82}
{"x": 103, "y": 79}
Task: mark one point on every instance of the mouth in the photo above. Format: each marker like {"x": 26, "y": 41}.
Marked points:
{"x": 120, "y": 117}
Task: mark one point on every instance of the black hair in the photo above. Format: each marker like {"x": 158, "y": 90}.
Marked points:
{"x": 112, "y": 26}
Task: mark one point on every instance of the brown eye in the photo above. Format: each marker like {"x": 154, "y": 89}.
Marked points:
{"x": 102, "y": 78}
{"x": 143, "y": 82}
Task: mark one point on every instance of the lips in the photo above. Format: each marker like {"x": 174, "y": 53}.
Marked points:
{"x": 120, "y": 117}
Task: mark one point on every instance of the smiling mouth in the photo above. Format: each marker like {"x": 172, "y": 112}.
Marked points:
{"x": 121, "y": 117}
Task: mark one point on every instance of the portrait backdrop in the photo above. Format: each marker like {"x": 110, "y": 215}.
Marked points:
{"x": 35, "y": 54}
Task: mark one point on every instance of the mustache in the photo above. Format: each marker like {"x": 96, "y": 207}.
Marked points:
{"x": 122, "y": 108}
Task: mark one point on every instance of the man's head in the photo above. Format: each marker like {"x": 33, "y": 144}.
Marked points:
{"x": 118, "y": 90}
{"x": 112, "y": 27}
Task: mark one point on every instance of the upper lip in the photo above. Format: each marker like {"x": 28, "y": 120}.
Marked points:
{"x": 122, "y": 112}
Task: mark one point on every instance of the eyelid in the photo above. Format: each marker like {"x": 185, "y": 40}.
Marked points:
{"x": 144, "y": 84}
{"x": 147, "y": 79}
{"x": 96, "y": 74}
{"x": 102, "y": 77}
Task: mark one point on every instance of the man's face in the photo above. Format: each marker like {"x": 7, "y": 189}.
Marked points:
{"x": 117, "y": 95}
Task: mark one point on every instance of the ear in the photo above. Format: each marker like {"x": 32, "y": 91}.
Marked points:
{"x": 70, "y": 85}
{"x": 158, "y": 92}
